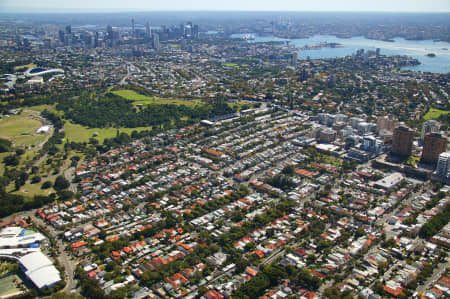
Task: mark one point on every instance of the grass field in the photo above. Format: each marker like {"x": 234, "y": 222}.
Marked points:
{"x": 39, "y": 108}
{"x": 29, "y": 190}
{"x": 143, "y": 99}
{"x": 434, "y": 114}
{"x": 7, "y": 285}
{"x": 27, "y": 156}
{"x": 238, "y": 105}
{"x": 231, "y": 64}
{"x": 79, "y": 133}
{"x": 31, "y": 65}
{"x": 21, "y": 130}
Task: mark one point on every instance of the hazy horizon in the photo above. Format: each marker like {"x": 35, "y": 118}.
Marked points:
{"x": 83, "y": 6}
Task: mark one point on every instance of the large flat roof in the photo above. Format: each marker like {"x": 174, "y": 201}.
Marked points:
{"x": 390, "y": 181}
{"x": 39, "y": 269}
{"x": 12, "y": 241}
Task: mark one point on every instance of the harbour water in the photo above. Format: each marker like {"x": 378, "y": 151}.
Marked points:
{"x": 399, "y": 46}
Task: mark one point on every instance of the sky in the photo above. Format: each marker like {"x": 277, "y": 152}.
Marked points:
{"x": 242, "y": 5}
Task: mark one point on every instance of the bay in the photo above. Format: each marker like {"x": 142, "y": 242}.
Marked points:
{"x": 399, "y": 46}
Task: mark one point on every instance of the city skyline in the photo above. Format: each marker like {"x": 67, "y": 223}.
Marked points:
{"x": 233, "y": 5}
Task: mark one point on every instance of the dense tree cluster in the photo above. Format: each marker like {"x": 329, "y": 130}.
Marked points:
{"x": 55, "y": 119}
{"x": 271, "y": 276}
{"x": 12, "y": 203}
{"x": 433, "y": 226}
{"x": 5, "y": 145}
{"x": 281, "y": 181}
{"x": 90, "y": 287}
{"x": 61, "y": 183}
{"x": 114, "y": 111}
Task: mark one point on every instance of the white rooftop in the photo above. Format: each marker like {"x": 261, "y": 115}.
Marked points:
{"x": 39, "y": 269}
{"x": 11, "y": 237}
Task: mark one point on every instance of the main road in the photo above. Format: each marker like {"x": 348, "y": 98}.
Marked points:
{"x": 63, "y": 258}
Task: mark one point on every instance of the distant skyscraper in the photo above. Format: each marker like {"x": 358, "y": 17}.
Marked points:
{"x": 61, "y": 36}
{"x": 293, "y": 59}
{"x": 109, "y": 32}
{"x": 195, "y": 32}
{"x": 332, "y": 81}
{"x": 188, "y": 30}
{"x": 156, "y": 44}
{"x": 434, "y": 144}
{"x": 303, "y": 76}
{"x": 148, "y": 31}
{"x": 402, "y": 141}
{"x": 443, "y": 165}
{"x": 47, "y": 43}
{"x": 430, "y": 126}
{"x": 110, "y": 36}
{"x": 96, "y": 44}
{"x": 133, "y": 32}
{"x": 68, "y": 29}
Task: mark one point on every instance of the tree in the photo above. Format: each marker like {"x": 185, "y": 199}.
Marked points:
{"x": 65, "y": 295}
{"x": 35, "y": 179}
{"x": 435, "y": 224}
{"x": 310, "y": 259}
{"x": 5, "y": 145}
{"x": 11, "y": 160}
{"x": 46, "y": 185}
{"x": 20, "y": 151}
{"x": 202, "y": 290}
{"x": 65, "y": 195}
{"x": 289, "y": 170}
{"x": 61, "y": 183}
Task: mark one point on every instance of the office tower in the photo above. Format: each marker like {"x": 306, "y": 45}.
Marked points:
{"x": 156, "y": 44}
{"x": 148, "y": 31}
{"x": 443, "y": 165}
{"x": 88, "y": 39}
{"x": 327, "y": 135}
{"x": 26, "y": 43}
{"x": 96, "y": 43}
{"x": 68, "y": 29}
{"x": 61, "y": 36}
{"x": 133, "y": 33}
{"x": 372, "y": 145}
{"x": 47, "y": 43}
{"x": 303, "y": 76}
{"x": 195, "y": 32}
{"x": 354, "y": 122}
{"x": 430, "y": 126}
{"x": 68, "y": 40}
{"x": 332, "y": 81}
{"x": 293, "y": 59}
{"x": 434, "y": 144}
{"x": 188, "y": 30}
{"x": 339, "y": 117}
{"x": 384, "y": 123}
{"x": 109, "y": 32}
{"x": 346, "y": 131}
{"x": 402, "y": 141}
